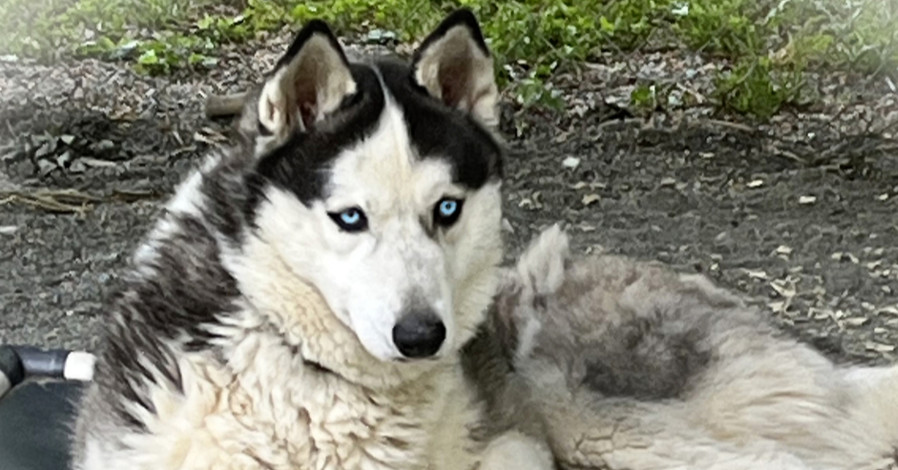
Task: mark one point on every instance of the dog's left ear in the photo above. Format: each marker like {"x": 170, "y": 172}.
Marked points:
{"x": 454, "y": 65}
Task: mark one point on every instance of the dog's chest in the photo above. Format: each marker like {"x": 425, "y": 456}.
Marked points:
{"x": 324, "y": 423}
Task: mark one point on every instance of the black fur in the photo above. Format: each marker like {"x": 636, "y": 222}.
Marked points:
{"x": 300, "y": 164}
{"x": 642, "y": 359}
{"x": 190, "y": 288}
{"x": 441, "y": 132}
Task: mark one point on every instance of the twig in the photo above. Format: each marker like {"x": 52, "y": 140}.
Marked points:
{"x": 700, "y": 97}
{"x": 70, "y": 200}
{"x": 788, "y": 154}
{"x": 224, "y": 105}
{"x": 733, "y": 125}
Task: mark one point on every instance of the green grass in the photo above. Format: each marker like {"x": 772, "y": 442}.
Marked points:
{"x": 770, "y": 43}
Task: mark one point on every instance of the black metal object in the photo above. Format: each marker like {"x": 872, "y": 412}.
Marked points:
{"x": 11, "y": 371}
{"x": 39, "y": 389}
{"x": 18, "y": 363}
{"x": 36, "y": 422}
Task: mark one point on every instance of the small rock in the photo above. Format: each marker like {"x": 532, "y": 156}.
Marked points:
{"x": 571, "y": 162}
{"x": 44, "y": 150}
{"x": 668, "y": 181}
{"x": 64, "y": 159}
{"x": 102, "y": 146}
{"x": 590, "y": 199}
{"x": 67, "y": 139}
{"x": 45, "y": 167}
{"x": 807, "y": 200}
{"x": 755, "y": 183}
{"x": 8, "y": 229}
{"x": 78, "y": 166}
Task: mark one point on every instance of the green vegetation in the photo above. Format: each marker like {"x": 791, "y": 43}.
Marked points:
{"x": 770, "y": 43}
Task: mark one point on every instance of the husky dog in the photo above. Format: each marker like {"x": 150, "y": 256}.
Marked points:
{"x": 303, "y": 300}
{"x": 630, "y": 365}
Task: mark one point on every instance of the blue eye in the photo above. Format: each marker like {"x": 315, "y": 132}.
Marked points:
{"x": 448, "y": 207}
{"x": 350, "y": 217}
{"x": 447, "y": 211}
{"x": 350, "y": 220}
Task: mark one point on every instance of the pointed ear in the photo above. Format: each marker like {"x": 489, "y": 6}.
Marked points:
{"x": 309, "y": 82}
{"x": 454, "y": 65}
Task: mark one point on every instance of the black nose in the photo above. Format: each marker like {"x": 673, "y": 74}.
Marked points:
{"x": 419, "y": 334}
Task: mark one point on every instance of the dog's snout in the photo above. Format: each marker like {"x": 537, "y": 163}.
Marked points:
{"x": 419, "y": 334}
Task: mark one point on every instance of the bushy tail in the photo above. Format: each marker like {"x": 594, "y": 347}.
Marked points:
{"x": 540, "y": 268}
{"x": 876, "y": 391}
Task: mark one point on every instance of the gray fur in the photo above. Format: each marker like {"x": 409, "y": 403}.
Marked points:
{"x": 630, "y": 365}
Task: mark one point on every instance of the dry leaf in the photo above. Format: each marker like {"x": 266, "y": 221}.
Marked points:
{"x": 784, "y": 250}
{"x": 856, "y": 321}
{"x": 783, "y": 288}
{"x": 756, "y": 274}
{"x": 891, "y": 310}
{"x": 879, "y": 347}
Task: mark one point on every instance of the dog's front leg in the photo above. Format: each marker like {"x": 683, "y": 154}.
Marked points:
{"x": 516, "y": 451}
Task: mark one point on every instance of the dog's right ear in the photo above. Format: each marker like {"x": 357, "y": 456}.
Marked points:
{"x": 309, "y": 82}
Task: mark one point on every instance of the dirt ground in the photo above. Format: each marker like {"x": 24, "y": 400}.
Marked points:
{"x": 800, "y": 215}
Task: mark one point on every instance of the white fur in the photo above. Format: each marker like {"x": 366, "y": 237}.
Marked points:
{"x": 304, "y": 375}
{"x": 315, "y": 295}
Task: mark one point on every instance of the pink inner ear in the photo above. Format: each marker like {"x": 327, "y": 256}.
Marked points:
{"x": 306, "y": 102}
{"x": 454, "y": 76}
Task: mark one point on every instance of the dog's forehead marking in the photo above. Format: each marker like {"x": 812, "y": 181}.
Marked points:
{"x": 391, "y": 134}
{"x": 384, "y": 172}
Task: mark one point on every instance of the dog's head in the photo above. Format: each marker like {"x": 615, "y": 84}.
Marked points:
{"x": 378, "y": 184}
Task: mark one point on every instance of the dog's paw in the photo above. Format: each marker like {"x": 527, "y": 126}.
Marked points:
{"x": 514, "y": 450}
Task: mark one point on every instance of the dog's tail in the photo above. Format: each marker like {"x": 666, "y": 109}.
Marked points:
{"x": 876, "y": 400}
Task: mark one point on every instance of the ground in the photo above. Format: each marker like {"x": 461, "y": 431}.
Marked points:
{"x": 798, "y": 214}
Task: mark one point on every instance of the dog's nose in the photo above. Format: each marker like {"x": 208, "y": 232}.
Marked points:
{"x": 419, "y": 334}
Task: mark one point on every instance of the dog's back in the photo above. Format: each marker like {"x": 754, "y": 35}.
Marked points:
{"x": 635, "y": 366}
